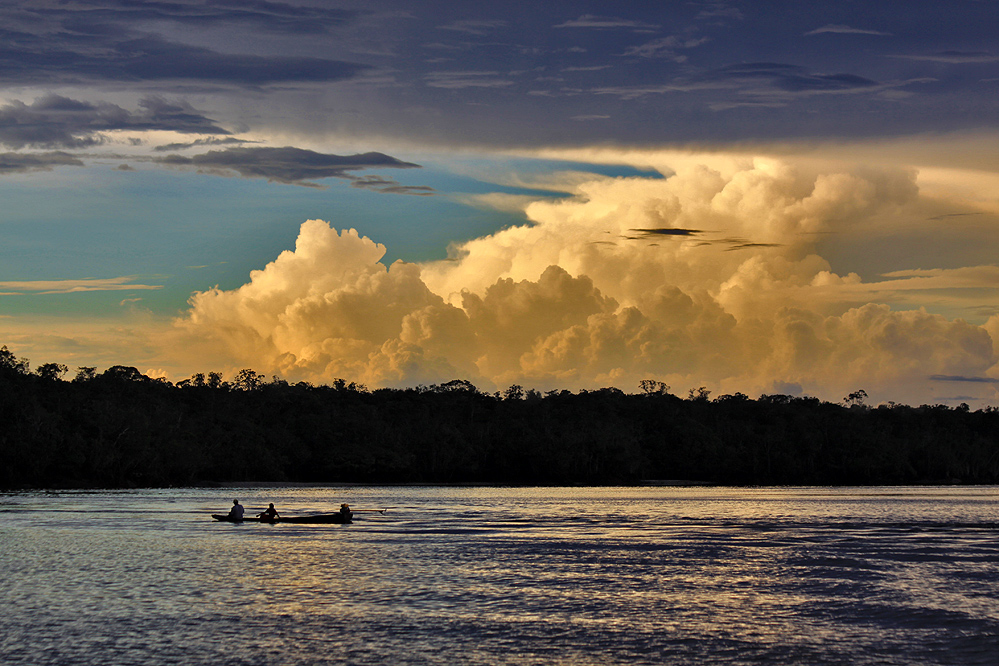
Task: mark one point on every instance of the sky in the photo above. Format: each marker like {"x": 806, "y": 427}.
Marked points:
{"x": 756, "y": 197}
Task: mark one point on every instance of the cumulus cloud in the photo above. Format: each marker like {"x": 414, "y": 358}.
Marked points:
{"x": 330, "y": 309}
{"x": 630, "y": 278}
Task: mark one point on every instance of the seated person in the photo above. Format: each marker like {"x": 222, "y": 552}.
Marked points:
{"x": 236, "y": 512}
{"x": 269, "y": 514}
{"x": 346, "y": 512}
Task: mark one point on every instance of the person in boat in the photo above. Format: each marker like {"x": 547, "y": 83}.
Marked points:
{"x": 346, "y": 512}
{"x": 269, "y": 514}
{"x": 236, "y": 512}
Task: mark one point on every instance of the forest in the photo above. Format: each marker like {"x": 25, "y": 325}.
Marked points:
{"x": 121, "y": 429}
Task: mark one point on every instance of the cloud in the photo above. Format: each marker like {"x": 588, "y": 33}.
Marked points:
{"x": 974, "y": 380}
{"x": 155, "y": 59}
{"x": 763, "y": 84}
{"x": 510, "y": 203}
{"x": 53, "y": 121}
{"x": 845, "y": 30}
{"x": 388, "y": 186}
{"x": 199, "y": 143}
{"x": 591, "y": 21}
{"x": 27, "y": 162}
{"x": 717, "y": 10}
{"x": 293, "y": 166}
{"x": 74, "y": 286}
{"x": 790, "y": 78}
{"x": 474, "y": 27}
{"x": 954, "y": 57}
{"x": 459, "y": 80}
{"x": 83, "y": 42}
{"x": 666, "y": 47}
{"x": 652, "y": 233}
{"x": 331, "y": 309}
{"x": 263, "y": 14}
{"x": 568, "y": 301}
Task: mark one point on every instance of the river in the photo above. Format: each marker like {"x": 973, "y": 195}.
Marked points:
{"x": 482, "y": 575}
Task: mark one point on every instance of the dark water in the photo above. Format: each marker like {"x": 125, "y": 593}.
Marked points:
{"x": 504, "y": 576}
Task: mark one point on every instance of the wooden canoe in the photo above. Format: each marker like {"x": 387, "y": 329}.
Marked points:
{"x": 319, "y": 519}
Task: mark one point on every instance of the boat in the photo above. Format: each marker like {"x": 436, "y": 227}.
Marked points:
{"x": 319, "y": 519}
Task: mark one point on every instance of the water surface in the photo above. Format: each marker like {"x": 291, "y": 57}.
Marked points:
{"x": 504, "y": 576}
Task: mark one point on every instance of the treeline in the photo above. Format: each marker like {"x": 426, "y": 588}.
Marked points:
{"x": 120, "y": 428}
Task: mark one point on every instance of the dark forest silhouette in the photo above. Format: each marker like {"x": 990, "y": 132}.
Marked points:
{"x": 119, "y": 428}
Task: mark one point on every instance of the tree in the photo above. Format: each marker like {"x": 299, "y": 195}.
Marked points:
{"x": 515, "y": 392}
{"x": 460, "y": 385}
{"x": 124, "y": 373}
{"x": 856, "y": 399}
{"x": 215, "y": 381}
{"x": 699, "y": 395}
{"x": 653, "y": 387}
{"x": 10, "y": 364}
{"x": 247, "y": 380}
{"x": 85, "y": 373}
{"x": 51, "y": 371}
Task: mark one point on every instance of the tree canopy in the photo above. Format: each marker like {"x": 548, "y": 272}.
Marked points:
{"x": 120, "y": 428}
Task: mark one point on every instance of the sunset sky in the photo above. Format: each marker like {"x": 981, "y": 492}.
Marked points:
{"x": 765, "y": 197}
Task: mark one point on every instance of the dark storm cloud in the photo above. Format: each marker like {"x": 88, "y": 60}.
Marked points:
{"x": 24, "y": 162}
{"x": 512, "y": 73}
{"x": 258, "y": 14}
{"x": 291, "y": 166}
{"x": 80, "y": 42}
{"x": 154, "y": 59}
{"x": 55, "y": 121}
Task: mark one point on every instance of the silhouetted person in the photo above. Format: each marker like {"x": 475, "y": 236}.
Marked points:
{"x": 236, "y": 512}
{"x": 270, "y": 514}
{"x": 346, "y": 512}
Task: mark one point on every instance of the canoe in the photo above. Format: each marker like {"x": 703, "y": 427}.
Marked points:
{"x": 321, "y": 519}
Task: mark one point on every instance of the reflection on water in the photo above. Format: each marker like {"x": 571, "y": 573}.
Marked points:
{"x": 500, "y": 575}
